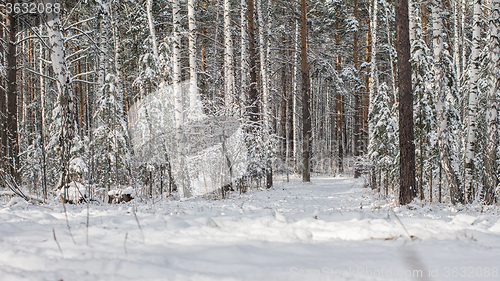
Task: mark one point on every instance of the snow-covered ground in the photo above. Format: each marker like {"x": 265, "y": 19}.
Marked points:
{"x": 331, "y": 229}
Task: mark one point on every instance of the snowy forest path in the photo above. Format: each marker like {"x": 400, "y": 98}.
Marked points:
{"x": 329, "y": 229}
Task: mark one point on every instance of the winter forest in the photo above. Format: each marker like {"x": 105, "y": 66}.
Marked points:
{"x": 104, "y": 95}
{"x": 221, "y": 108}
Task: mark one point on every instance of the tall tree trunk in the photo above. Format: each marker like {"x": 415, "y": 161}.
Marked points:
{"x": 12, "y": 124}
{"x": 244, "y": 55}
{"x": 447, "y": 162}
{"x": 490, "y": 157}
{"x": 181, "y": 176}
{"x": 456, "y": 42}
{"x": 65, "y": 89}
{"x": 253, "y": 98}
{"x": 118, "y": 55}
{"x": 357, "y": 107}
{"x": 463, "y": 37}
{"x": 374, "y": 79}
{"x": 407, "y": 188}
{"x": 365, "y": 101}
{"x": 263, "y": 65}
{"x": 295, "y": 97}
{"x": 339, "y": 101}
{"x": 195, "y": 107}
{"x": 3, "y": 106}
{"x": 151, "y": 26}
{"x": 472, "y": 108}
{"x": 228, "y": 60}
{"x": 306, "y": 96}
{"x": 263, "y": 52}
{"x": 392, "y": 79}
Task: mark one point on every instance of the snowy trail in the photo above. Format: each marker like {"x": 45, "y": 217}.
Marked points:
{"x": 332, "y": 229}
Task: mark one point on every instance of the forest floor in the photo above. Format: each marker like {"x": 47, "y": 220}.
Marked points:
{"x": 330, "y": 229}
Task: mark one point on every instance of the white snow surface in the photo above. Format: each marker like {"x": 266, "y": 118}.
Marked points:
{"x": 330, "y": 229}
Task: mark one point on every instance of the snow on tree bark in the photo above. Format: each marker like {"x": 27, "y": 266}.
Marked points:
{"x": 306, "y": 93}
{"x": 295, "y": 97}
{"x": 65, "y": 93}
{"x": 490, "y": 157}
{"x": 181, "y": 176}
{"x": 472, "y": 108}
{"x": 442, "y": 88}
{"x": 12, "y": 151}
{"x": 195, "y": 106}
{"x": 228, "y": 60}
{"x": 407, "y": 187}
{"x": 263, "y": 66}
{"x": 244, "y": 56}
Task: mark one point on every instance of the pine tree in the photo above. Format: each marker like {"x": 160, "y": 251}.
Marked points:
{"x": 424, "y": 107}
{"x": 382, "y": 148}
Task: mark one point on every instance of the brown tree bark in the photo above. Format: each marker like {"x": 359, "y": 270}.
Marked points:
{"x": 12, "y": 130}
{"x": 3, "y": 108}
{"x": 253, "y": 97}
{"x": 306, "y": 96}
{"x": 357, "y": 107}
{"x": 339, "y": 103}
{"x": 407, "y": 187}
{"x": 365, "y": 102}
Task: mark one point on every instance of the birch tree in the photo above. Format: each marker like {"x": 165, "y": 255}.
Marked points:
{"x": 196, "y": 110}
{"x": 65, "y": 112}
{"x": 228, "y": 59}
{"x": 490, "y": 157}
{"x": 472, "y": 108}
{"x": 444, "y": 88}
{"x": 181, "y": 177}
{"x": 244, "y": 55}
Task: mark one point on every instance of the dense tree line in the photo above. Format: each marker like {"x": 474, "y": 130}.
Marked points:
{"x": 314, "y": 85}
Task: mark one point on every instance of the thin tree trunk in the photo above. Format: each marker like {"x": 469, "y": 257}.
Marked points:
{"x": 3, "y": 106}
{"x": 263, "y": 65}
{"x": 253, "y": 102}
{"x": 228, "y": 60}
{"x": 41, "y": 118}
{"x": 357, "y": 107}
{"x": 295, "y": 98}
{"x": 178, "y": 106}
{"x": 195, "y": 107}
{"x": 447, "y": 163}
{"x": 151, "y": 26}
{"x": 339, "y": 101}
{"x": 472, "y": 108}
{"x": 244, "y": 56}
{"x": 65, "y": 90}
{"x": 373, "y": 67}
{"x": 456, "y": 42}
{"x": 392, "y": 80}
{"x": 12, "y": 124}
{"x": 430, "y": 186}
{"x": 463, "y": 37}
{"x": 306, "y": 96}
{"x": 407, "y": 186}
{"x": 490, "y": 157}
